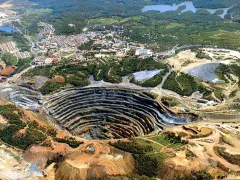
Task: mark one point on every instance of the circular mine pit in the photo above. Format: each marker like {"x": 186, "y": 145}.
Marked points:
{"x": 105, "y": 112}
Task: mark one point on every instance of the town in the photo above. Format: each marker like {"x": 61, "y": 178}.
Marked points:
{"x": 96, "y": 42}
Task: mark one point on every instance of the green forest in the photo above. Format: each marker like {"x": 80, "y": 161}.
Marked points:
{"x": 164, "y": 29}
{"x": 77, "y": 76}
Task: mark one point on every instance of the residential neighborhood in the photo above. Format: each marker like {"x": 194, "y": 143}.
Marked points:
{"x": 94, "y": 42}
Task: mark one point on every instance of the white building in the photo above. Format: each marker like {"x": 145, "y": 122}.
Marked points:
{"x": 143, "y": 52}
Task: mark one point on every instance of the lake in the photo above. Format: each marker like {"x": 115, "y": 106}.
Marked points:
{"x": 164, "y": 8}
{"x": 7, "y": 29}
{"x": 145, "y": 75}
{"x": 205, "y": 72}
{"x": 188, "y": 7}
{"x": 225, "y": 10}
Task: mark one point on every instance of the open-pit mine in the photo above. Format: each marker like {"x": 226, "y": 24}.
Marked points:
{"x": 108, "y": 112}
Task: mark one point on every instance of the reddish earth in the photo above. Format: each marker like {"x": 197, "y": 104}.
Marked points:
{"x": 41, "y": 155}
{"x": 59, "y": 79}
{"x": 7, "y": 71}
{"x": 90, "y": 160}
{"x": 95, "y": 160}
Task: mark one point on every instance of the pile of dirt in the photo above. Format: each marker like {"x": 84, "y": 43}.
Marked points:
{"x": 95, "y": 160}
{"x": 59, "y": 79}
{"x": 179, "y": 166}
{"x": 41, "y": 155}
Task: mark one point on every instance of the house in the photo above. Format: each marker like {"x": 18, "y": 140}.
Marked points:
{"x": 163, "y": 54}
{"x": 116, "y": 28}
{"x": 71, "y": 25}
{"x": 40, "y": 60}
{"x": 94, "y": 28}
{"x": 143, "y": 52}
{"x": 54, "y": 58}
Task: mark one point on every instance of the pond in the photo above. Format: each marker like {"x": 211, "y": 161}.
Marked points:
{"x": 7, "y": 29}
{"x": 205, "y": 72}
{"x": 145, "y": 75}
{"x": 188, "y": 7}
{"x": 225, "y": 10}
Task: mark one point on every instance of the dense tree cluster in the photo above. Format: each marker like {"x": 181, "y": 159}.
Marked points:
{"x": 22, "y": 42}
{"x": 10, "y": 134}
{"x": 22, "y": 64}
{"x": 9, "y": 59}
{"x": 51, "y": 87}
{"x": 173, "y": 138}
{"x": 86, "y": 46}
{"x": 199, "y": 175}
{"x": 132, "y": 147}
{"x": 146, "y": 165}
{"x": 77, "y": 75}
{"x": 183, "y": 84}
{"x": 225, "y": 70}
{"x": 149, "y": 27}
{"x": 155, "y": 80}
{"x": 72, "y": 142}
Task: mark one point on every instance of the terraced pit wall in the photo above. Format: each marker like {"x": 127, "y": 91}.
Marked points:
{"x": 108, "y": 112}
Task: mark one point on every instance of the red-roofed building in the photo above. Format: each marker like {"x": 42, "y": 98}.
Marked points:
{"x": 7, "y": 71}
{"x": 54, "y": 57}
{"x": 40, "y": 60}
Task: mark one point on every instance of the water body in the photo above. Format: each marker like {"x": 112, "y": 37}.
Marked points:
{"x": 145, "y": 75}
{"x": 164, "y": 8}
{"x": 225, "y": 10}
{"x": 205, "y": 72}
{"x": 188, "y": 7}
{"x": 7, "y": 29}
{"x": 33, "y": 170}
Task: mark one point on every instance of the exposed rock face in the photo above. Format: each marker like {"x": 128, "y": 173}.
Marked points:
{"x": 102, "y": 113}
{"x": 95, "y": 160}
{"x": 21, "y": 96}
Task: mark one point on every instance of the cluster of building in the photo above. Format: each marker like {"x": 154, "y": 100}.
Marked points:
{"x": 48, "y": 40}
{"x": 143, "y": 53}
{"x": 8, "y": 47}
{"x": 12, "y": 48}
{"x": 42, "y": 60}
{"x": 95, "y": 28}
{"x": 102, "y": 28}
{"x": 22, "y": 55}
{"x": 104, "y": 42}
{"x": 68, "y": 41}
{"x": 7, "y": 16}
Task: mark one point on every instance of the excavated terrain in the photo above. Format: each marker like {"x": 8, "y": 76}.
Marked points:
{"x": 104, "y": 113}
